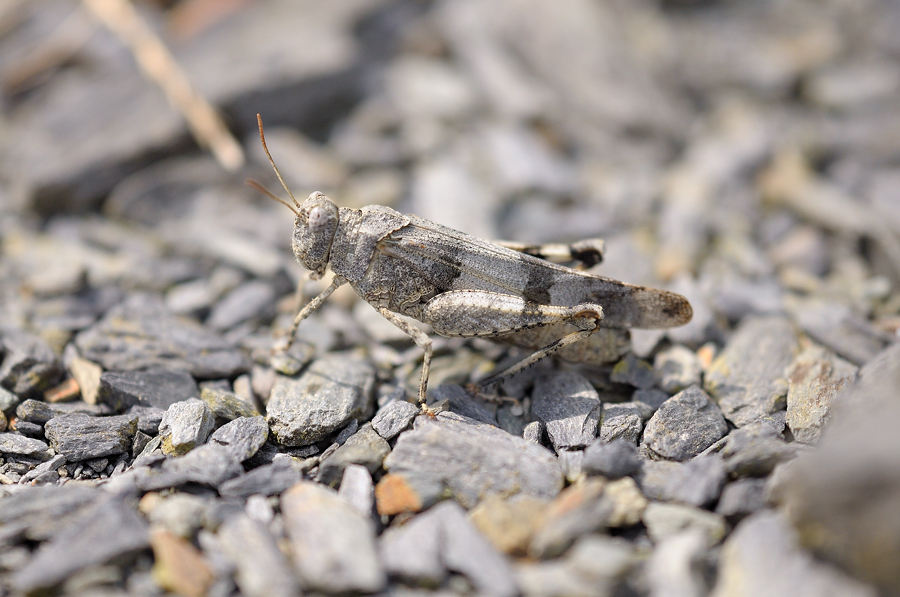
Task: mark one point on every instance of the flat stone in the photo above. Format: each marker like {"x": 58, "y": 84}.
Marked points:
{"x": 665, "y": 520}
{"x": 227, "y": 405}
{"x": 621, "y": 421}
{"x": 747, "y": 378}
{"x": 80, "y": 437}
{"x": 269, "y": 479}
{"x": 333, "y": 546}
{"x": 569, "y": 407}
{"x": 697, "y": 482}
{"x": 140, "y": 333}
{"x": 412, "y": 552}
{"x": 365, "y": 447}
{"x": 158, "y": 387}
{"x": 38, "y": 412}
{"x": 634, "y": 372}
{"x": 13, "y": 443}
{"x": 358, "y": 489}
{"x": 844, "y": 496}
{"x": 29, "y": 366}
{"x": 185, "y": 426}
{"x": 249, "y": 301}
{"x": 653, "y": 478}
{"x": 762, "y": 557}
{"x": 110, "y": 530}
{"x": 244, "y": 436}
{"x": 334, "y": 390}
{"x": 45, "y": 467}
{"x": 261, "y": 570}
{"x": 397, "y": 493}
{"x": 742, "y": 497}
{"x": 475, "y": 460}
{"x": 815, "y": 378}
{"x": 208, "y": 464}
{"x": 394, "y": 417}
{"x": 677, "y": 368}
{"x": 613, "y": 460}
{"x": 685, "y": 425}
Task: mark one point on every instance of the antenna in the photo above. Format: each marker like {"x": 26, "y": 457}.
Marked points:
{"x": 262, "y": 137}
{"x": 253, "y": 184}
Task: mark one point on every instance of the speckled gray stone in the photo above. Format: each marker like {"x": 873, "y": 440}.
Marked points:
{"x": 621, "y": 421}
{"x": 80, "y": 437}
{"x": 261, "y": 570}
{"x": 243, "y": 436}
{"x": 747, "y": 378}
{"x": 269, "y": 479}
{"x": 815, "y": 378}
{"x": 685, "y": 425}
{"x": 208, "y": 464}
{"x": 475, "y": 459}
{"x": 140, "y": 333}
{"x": 185, "y": 426}
{"x": 613, "y": 460}
{"x": 676, "y": 368}
{"x": 13, "y": 443}
{"x": 157, "y": 387}
{"x": 111, "y": 530}
{"x": 394, "y": 417}
{"x": 569, "y": 407}
{"x": 39, "y": 412}
{"x": 365, "y": 447}
{"x": 697, "y": 482}
{"x": 333, "y": 545}
{"x": 332, "y": 391}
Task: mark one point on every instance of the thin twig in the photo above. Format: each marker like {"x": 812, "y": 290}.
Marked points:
{"x": 158, "y": 65}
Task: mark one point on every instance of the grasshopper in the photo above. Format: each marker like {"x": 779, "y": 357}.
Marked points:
{"x": 464, "y": 286}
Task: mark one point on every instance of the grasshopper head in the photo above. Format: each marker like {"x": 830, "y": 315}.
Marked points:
{"x": 314, "y": 228}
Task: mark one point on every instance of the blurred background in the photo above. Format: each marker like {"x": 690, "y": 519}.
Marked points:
{"x": 746, "y": 154}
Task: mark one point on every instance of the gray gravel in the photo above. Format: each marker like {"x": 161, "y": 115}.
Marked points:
{"x": 685, "y": 425}
{"x": 328, "y": 395}
{"x": 475, "y": 460}
{"x": 80, "y": 437}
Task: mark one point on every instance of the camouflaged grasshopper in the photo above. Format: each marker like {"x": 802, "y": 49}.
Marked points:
{"x": 463, "y": 286}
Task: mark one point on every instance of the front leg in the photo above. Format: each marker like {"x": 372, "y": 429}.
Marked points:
{"x": 307, "y": 311}
{"x": 476, "y": 313}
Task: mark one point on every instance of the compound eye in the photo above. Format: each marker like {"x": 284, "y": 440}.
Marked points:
{"x": 318, "y": 218}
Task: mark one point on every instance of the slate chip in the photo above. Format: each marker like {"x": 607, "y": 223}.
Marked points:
{"x": 685, "y": 425}
{"x": 156, "y": 387}
{"x": 365, "y": 447}
{"x": 569, "y": 407}
{"x": 269, "y": 479}
{"x": 394, "y": 417}
{"x": 614, "y": 459}
{"x": 81, "y": 437}
{"x": 29, "y": 365}
{"x": 747, "y": 378}
{"x": 474, "y": 459}
{"x": 243, "y": 436}
{"x": 140, "y": 333}
{"x": 110, "y": 530}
